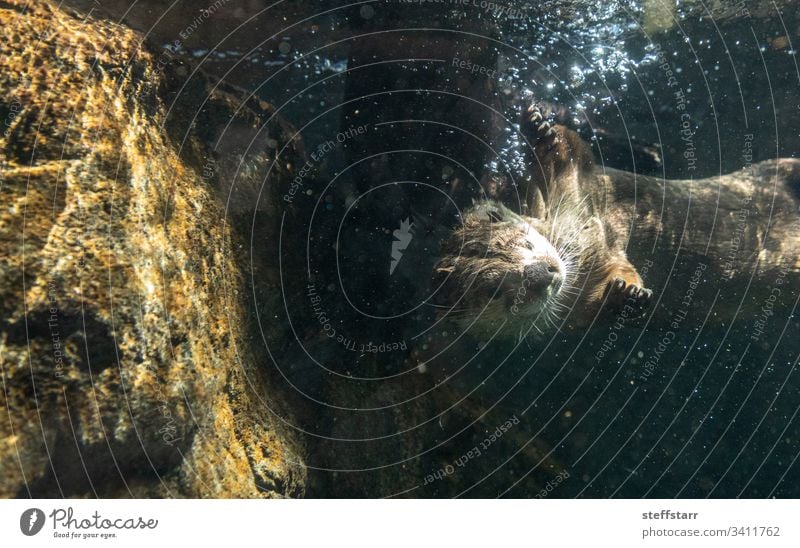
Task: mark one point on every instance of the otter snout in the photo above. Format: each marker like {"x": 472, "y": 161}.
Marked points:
{"x": 543, "y": 274}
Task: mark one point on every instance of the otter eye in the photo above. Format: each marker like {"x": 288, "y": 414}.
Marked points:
{"x": 495, "y": 217}
{"x": 529, "y": 244}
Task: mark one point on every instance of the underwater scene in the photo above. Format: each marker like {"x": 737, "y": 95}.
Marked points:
{"x": 400, "y": 248}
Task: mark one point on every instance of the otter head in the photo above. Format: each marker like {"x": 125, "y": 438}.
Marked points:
{"x": 499, "y": 271}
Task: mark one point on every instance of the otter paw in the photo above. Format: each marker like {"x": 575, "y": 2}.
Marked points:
{"x": 627, "y": 301}
{"x": 537, "y": 130}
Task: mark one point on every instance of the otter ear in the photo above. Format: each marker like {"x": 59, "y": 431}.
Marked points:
{"x": 537, "y": 207}
{"x": 488, "y": 211}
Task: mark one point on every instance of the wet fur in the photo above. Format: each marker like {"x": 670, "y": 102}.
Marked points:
{"x": 480, "y": 261}
{"x": 560, "y": 163}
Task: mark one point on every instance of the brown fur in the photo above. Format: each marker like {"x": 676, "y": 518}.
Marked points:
{"x": 480, "y": 265}
{"x": 560, "y": 164}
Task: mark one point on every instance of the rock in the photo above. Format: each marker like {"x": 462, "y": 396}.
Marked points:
{"x": 126, "y": 365}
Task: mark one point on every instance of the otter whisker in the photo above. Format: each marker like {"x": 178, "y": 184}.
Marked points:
{"x": 441, "y": 306}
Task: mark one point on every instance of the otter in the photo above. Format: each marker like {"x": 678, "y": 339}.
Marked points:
{"x": 558, "y": 266}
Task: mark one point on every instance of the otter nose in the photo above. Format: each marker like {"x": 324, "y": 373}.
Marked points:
{"x": 543, "y": 273}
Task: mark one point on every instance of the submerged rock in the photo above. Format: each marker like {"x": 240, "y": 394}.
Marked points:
{"x": 126, "y": 368}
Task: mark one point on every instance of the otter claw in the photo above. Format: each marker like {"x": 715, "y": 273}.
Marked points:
{"x": 639, "y": 294}
{"x": 546, "y": 134}
{"x": 618, "y": 294}
{"x": 536, "y": 115}
{"x": 541, "y": 128}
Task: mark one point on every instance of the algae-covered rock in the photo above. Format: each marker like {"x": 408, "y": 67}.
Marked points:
{"x": 125, "y": 366}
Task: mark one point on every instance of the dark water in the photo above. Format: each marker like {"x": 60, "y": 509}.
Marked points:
{"x": 401, "y": 132}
